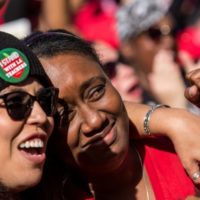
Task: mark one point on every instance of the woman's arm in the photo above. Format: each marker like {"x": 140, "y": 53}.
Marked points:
{"x": 181, "y": 126}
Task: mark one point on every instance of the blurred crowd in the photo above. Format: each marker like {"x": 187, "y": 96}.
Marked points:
{"x": 146, "y": 47}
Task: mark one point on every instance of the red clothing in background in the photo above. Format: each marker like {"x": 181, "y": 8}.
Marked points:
{"x": 96, "y": 23}
{"x": 2, "y": 11}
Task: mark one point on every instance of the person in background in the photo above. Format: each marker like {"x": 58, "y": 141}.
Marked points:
{"x": 125, "y": 80}
{"x": 99, "y": 153}
{"x": 94, "y": 20}
{"x": 147, "y": 42}
{"x": 27, "y": 105}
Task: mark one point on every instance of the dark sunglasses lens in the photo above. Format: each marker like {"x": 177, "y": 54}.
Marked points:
{"x": 18, "y": 105}
{"x": 154, "y": 33}
{"x": 47, "y": 99}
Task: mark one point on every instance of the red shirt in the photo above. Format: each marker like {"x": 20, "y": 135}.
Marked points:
{"x": 168, "y": 178}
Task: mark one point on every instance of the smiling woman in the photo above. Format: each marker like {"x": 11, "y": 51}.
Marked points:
{"x": 95, "y": 155}
{"x": 27, "y": 105}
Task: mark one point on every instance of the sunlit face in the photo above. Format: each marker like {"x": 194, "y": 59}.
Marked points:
{"x": 147, "y": 45}
{"x": 141, "y": 50}
{"x": 97, "y": 134}
{"x": 23, "y": 143}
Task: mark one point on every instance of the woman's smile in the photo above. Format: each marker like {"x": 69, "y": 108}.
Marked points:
{"x": 105, "y": 138}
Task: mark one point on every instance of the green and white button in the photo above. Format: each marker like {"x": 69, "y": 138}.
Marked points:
{"x": 14, "y": 65}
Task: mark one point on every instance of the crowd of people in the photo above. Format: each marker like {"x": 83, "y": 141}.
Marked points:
{"x": 101, "y": 101}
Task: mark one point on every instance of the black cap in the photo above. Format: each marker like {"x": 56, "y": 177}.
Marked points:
{"x": 18, "y": 62}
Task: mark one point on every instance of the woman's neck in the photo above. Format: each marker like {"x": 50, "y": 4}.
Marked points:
{"x": 122, "y": 182}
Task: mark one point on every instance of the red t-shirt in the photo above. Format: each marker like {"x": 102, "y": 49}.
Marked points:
{"x": 168, "y": 178}
{"x": 167, "y": 175}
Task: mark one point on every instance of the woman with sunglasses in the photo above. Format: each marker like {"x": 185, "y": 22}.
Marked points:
{"x": 27, "y": 106}
{"x": 101, "y": 158}
{"x": 146, "y": 31}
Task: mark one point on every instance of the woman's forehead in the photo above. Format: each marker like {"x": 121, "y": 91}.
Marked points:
{"x": 62, "y": 66}
{"x": 31, "y": 83}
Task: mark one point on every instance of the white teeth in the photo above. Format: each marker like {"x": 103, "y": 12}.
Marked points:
{"x": 27, "y": 144}
{"x": 35, "y": 143}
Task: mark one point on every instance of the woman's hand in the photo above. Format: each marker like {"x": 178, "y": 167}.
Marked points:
{"x": 181, "y": 126}
{"x": 166, "y": 82}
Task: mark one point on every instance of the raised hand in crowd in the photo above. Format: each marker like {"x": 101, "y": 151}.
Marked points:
{"x": 166, "y": 71}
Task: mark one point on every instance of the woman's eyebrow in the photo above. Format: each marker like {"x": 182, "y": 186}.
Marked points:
{"x": 12, "y": 90}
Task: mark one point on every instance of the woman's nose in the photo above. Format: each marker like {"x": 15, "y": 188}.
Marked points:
{"x": 92, "y": 120}
{"x": 37, "y": 115}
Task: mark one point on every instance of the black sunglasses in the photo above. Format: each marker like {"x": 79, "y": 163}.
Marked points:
{"x": 19, "y": 104}
{"x": 156, "y": 33}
